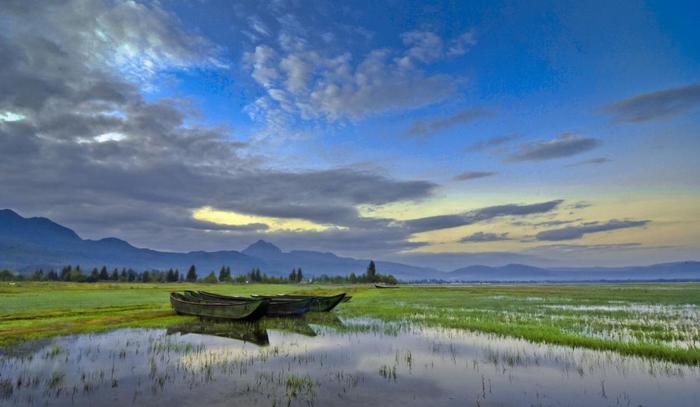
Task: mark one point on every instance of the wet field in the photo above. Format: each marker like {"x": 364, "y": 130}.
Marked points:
{"x": 330, "y": 361}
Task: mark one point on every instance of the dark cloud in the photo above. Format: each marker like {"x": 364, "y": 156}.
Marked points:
{"x": 565, "y": 145}
{"x": 470, "y": 175}
{"x": 93, "y": 153}
{"x": 478, "y": 215}
{"x": 492, "y": 142}
{"x": 592, "y": 161}
{"x": 653, "y": 105}
{"x": 579, "y": 205}
{"x": 548, "y": 223}
{"x": 577, "y": 232}
{"x": 479, "y": 237}
{"x": 428, "y": 127}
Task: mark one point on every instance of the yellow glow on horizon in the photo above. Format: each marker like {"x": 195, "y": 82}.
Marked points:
{"x": 231, "y": 218}
{"x": 674, "y": 220}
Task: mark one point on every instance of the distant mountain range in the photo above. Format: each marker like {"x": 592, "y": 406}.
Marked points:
{"x": 27, "y": 244}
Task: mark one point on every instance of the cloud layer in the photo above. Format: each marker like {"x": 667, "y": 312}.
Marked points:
{"x": 99, "y": 150}
{"x": 480, "y": 237}
{"x": 654, "y": 105}
{"x": 470, "y": 175}
{"x": 428, "y": 127}
{"x": 565, "y": 145}
{"x": 577, "y": 232}
{"x": 479, "y": 215}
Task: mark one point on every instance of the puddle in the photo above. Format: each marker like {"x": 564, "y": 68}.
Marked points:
{"x": 329, "y": 362}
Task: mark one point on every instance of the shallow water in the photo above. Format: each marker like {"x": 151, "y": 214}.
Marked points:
{"x": 330, "y": 362}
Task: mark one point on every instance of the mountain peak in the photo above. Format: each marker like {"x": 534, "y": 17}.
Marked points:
{"x": 15, "y": 226}
{"x": 8, "y": 214}
{"x": 262, "y": 248}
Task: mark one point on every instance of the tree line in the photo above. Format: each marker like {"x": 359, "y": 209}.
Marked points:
{"x": 370, "y": 276}
{"x": 76, "y": 274}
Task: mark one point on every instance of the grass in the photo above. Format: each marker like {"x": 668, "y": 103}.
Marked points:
{"x": 660, "y": 321}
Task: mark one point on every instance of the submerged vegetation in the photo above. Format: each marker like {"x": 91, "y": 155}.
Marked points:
{"x": 660, "y": 321}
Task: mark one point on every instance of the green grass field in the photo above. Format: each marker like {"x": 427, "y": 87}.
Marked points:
{"x": 659, "y": 321}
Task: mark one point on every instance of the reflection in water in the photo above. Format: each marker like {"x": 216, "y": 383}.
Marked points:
{"x": 322, "y": 361}
{"x": 246, "y": 332}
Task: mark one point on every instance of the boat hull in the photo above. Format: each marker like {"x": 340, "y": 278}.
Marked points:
{"x": 275, "y": 307}
{"x": 318, "y": 303}
{"x": 250, "y": 310}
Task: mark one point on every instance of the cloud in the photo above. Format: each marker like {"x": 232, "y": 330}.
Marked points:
{"x": 112, "y": 162}
{"x": 480, "y": 237}
{"x": 654, "y": 105}
{"x": 492, "y": 142}
{"x": 577, "y": 232}
{"x": 460, "y": 45}
{"x": 548, "y": 223}
{"x": 424, "y": 46}
{"x": 309, "y": 85}
{"x": 470, "y": 175}
{"x": 592, "y": 161}
{"x": 479, "y": 215}
{"x": 422, "y": 127}
{"x": 565, "y": 145}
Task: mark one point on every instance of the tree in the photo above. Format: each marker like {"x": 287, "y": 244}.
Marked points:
{"x": 225, "y": 274}
{"x": 211, "y": 278}
{"x": 146, "y": 277}
{"x": 300, "y": 275}
{"x": 38, "y": 275}
{"x": 115, "y": 275}
{"x": 293, "y": 276}
{"x": 171, "y": 276}
{"x": 191, "y": 274}
{"x": 104, "y": 275}
{"x": 371, "y": 272}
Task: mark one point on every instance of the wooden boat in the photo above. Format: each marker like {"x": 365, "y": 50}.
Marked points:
{"x": 385, "y": 286}
{"x": 347, "y": 298}
{"x": 238, "y": 310}
{"x": 277, "y": 307}
{"x": 242, "y": 331}
{"x": 319, "y": 303}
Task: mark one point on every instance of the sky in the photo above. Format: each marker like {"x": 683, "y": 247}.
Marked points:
{"x": 436, "y": 133}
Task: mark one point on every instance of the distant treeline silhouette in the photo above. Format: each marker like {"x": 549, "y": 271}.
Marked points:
{"x": 76, "y": 274}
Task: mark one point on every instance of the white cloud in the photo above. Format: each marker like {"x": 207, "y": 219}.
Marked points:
{"x": 309, "y": 85}
{"x": 424, "y": 46}
{"x": 460, "y": 45}
{"x": 11, "y": 117}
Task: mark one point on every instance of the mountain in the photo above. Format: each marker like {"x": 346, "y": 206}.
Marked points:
{"x": 687, "y": 270}
{"x": 262, "y": 248}
{"x": 30, "y": 243}
{"x": 510, "y": 272}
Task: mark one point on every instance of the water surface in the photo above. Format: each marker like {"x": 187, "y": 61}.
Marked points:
{"x": 329, "y": 362}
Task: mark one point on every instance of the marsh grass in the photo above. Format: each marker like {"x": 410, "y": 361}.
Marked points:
{"x": 660, "y": 321}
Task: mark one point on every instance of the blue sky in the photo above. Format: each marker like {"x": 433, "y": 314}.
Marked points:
{"x": 380, "y": 113}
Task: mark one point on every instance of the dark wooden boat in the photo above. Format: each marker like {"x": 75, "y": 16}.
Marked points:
{"x": 238, "y": 310}
{"x": 319, "y": 303}
{"x": 242, "y": 331}
{"x": 277, "y": 307}
{"x": 385, "y": 286}
{"x": 347, "y": 298}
